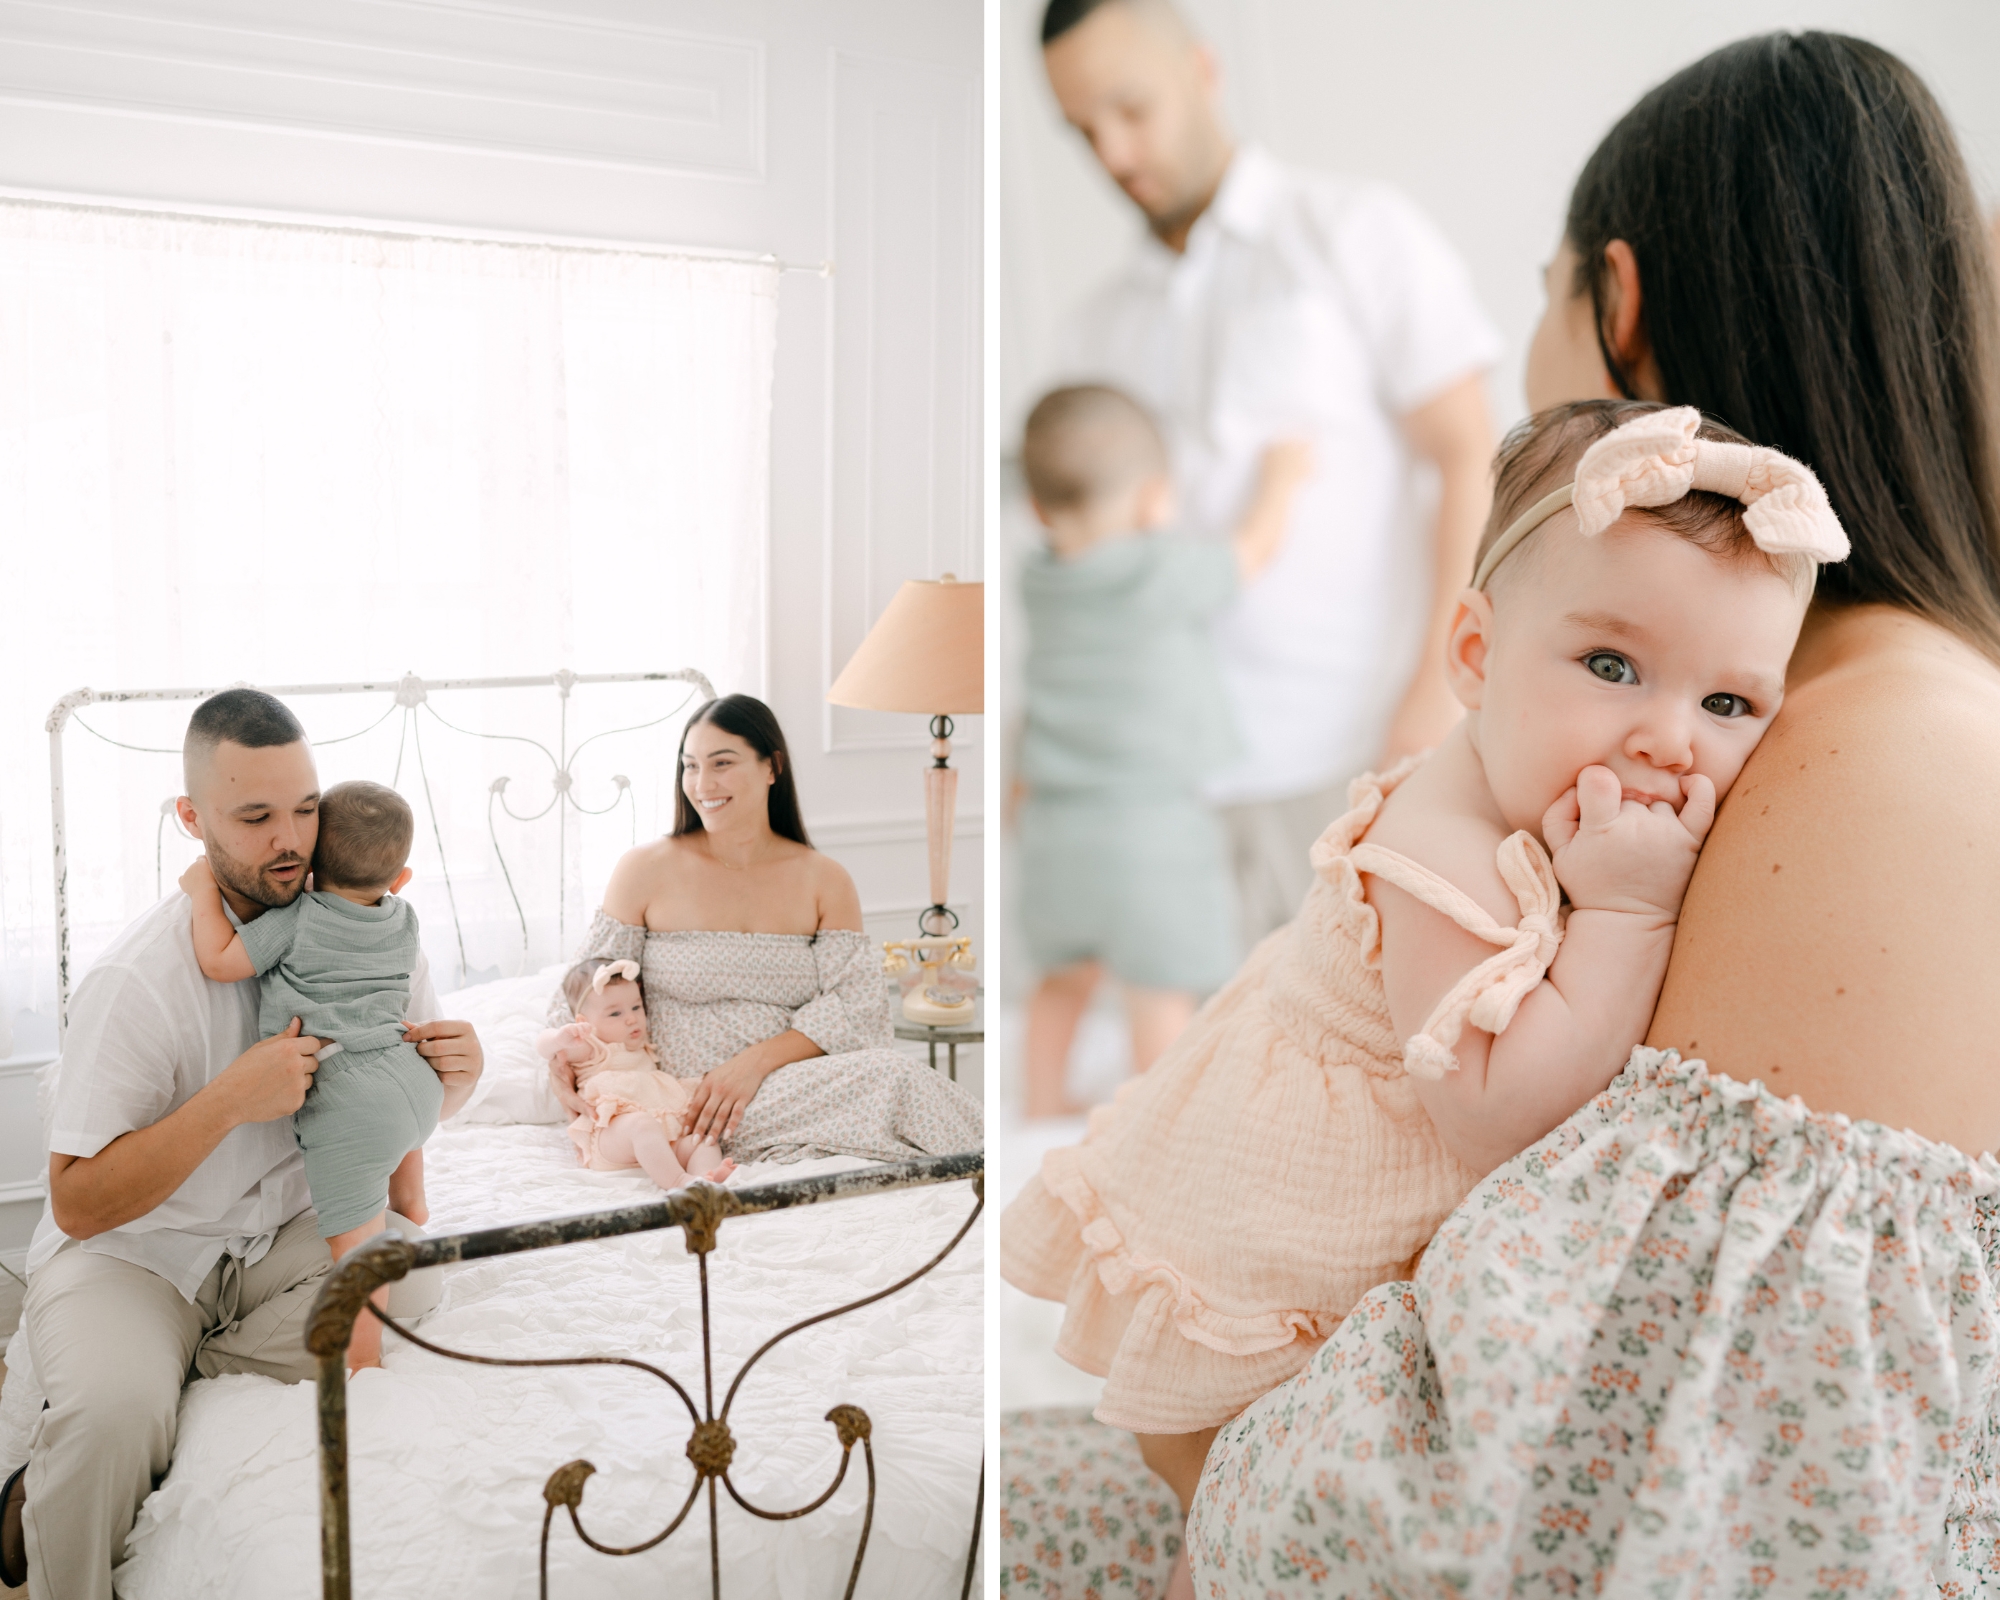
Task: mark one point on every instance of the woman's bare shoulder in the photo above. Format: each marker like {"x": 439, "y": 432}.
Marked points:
{"x": 641, "y": 875}
{"x": 833, "y": 888}
{"x": 1842, "y": 914}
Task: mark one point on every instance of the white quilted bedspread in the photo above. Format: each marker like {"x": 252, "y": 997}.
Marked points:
{"x": 448, "y": 1460}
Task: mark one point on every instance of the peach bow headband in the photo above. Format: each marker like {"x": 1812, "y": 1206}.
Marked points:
{"x": 611, "y": 972}
{"x": 1655, "y": 459}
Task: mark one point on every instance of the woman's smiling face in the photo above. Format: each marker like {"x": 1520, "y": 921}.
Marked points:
{"x": 727, "y": 782}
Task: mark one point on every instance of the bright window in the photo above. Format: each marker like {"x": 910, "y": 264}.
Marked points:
{"x": 233, "y": 451}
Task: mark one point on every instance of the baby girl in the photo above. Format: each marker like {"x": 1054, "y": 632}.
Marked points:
{"x": 629, "y": 1113}
{"x": 1434, "y": 1009}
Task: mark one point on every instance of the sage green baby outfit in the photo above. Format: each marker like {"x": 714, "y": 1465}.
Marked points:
{"x": 1121, "y": 860}
{"x": 344, "y": 971}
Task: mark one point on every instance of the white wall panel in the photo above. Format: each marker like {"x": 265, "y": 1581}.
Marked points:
{"x": 905, "y": 202}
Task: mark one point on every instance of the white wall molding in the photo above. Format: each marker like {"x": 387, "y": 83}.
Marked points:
{"x": 849, "y": 832}
{"x": 878, "y": 913}
{"x": 904, "y": 417}
{"x": 542, "y": 85}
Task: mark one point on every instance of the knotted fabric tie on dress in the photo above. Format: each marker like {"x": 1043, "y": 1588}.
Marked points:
{"x": 1490, "y": 994}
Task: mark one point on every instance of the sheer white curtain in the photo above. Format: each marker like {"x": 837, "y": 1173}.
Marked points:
{"x": 233, "y": 451}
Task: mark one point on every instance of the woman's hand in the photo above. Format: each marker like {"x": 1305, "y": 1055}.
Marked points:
{"x": 562, "y": 1079}
{"x": 717, "y": 1102}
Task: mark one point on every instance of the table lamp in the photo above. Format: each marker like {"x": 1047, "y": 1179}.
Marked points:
{"x": 927, "y": 654}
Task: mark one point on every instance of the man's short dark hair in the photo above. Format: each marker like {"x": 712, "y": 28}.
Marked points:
{"x": 1062, "y": 15}
{"x": 365, "y": 831}
{"x": 248, "y": 717}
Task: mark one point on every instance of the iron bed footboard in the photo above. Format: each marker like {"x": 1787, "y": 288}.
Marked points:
{"x": 699, "y": 1212}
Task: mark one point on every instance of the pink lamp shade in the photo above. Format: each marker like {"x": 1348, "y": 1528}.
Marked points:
{"x": 926, "y": 653}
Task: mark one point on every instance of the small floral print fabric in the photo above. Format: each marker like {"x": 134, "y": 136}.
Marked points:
{"x": 1698, "y": 1341}
{"x": 709, "y": 995}
{"x": 1082, "y": 1517}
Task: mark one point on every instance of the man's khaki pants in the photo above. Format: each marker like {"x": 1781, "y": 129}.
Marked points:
{"x": 1270, "y": 848}
{"x": 113, "y": 1344}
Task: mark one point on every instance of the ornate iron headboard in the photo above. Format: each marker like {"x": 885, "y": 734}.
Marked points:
{"x": 411, "y": 697}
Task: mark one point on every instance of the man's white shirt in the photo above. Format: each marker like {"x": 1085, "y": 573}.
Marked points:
{"x": 1304, "y": 307}
{"x": 146, "y": 1033}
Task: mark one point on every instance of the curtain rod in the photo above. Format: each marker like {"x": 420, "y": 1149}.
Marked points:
{"x": 392, "y": 230}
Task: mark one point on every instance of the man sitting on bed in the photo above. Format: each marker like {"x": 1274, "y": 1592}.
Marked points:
{"x": 179, "y": 1238}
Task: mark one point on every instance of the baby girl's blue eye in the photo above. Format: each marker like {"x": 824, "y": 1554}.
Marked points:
{"x": 1726, "y": 705}
{"x": 1610, "y": 666}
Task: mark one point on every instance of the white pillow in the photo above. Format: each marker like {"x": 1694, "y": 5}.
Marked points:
{"x": 508, "y": 1015}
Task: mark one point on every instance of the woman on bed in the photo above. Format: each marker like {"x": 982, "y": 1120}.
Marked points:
{"x": 1703, "y": 1339}
{"x": 760, "y": 986}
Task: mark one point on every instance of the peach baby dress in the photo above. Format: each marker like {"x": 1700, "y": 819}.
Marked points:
{"x": 617, "y": 1079}
{"x": 1226, "y": 1211}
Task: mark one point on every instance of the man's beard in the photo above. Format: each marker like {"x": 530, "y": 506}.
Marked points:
{"x": 251, "y": 882}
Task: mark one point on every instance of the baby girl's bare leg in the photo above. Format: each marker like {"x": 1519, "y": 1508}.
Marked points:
{"x": 1178, "y": 1457}
{"x": 364, "y": 1345}
{"x": 638, "y": 1140}
{"x": 406, "y": 1188}
{"x": 704, "y": 1160}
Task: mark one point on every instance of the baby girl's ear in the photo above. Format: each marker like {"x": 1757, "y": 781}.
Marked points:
{"x": 402, "y": 878}
{"x": 1466, "y": 648}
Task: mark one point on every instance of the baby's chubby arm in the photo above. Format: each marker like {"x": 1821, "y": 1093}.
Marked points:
{"x": 1625, "y": 867}
{"x": 218, "y": 947}
{"x": 563, "y": 1048}
{"x": 1282, "y": 468}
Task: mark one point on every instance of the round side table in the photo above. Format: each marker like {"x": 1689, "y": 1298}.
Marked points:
{"x": 951, "y": 1036}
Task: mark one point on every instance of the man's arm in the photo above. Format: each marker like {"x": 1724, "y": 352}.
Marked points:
{"x": 1455, "y": 434}
{"x": 136, "y": 1171}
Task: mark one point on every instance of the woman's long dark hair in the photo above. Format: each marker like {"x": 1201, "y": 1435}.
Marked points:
{"x": 751, "y": 721}
{"x": 1814, "y": 271}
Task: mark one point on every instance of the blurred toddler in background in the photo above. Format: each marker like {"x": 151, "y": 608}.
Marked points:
{"x": 1123, "y": 866}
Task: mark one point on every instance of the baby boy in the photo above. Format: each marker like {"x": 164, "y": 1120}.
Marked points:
{"x": 339, "y": 958}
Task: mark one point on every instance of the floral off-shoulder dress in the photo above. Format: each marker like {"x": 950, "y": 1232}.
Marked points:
{"x": 709, "y": 995}
{"x": 1699, "y": 1341}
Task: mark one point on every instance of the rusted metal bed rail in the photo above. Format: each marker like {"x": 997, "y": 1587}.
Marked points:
{"x": 699, "y": 1212}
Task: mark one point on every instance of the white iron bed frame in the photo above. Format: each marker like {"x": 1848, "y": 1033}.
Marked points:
{"x": 697, "y": 1212}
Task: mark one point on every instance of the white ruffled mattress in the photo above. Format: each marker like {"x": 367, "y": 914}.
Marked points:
{"x": 447, "y": 1460}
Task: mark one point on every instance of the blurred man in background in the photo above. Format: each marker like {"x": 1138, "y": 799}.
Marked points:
{"x": 1267, "y": 304}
